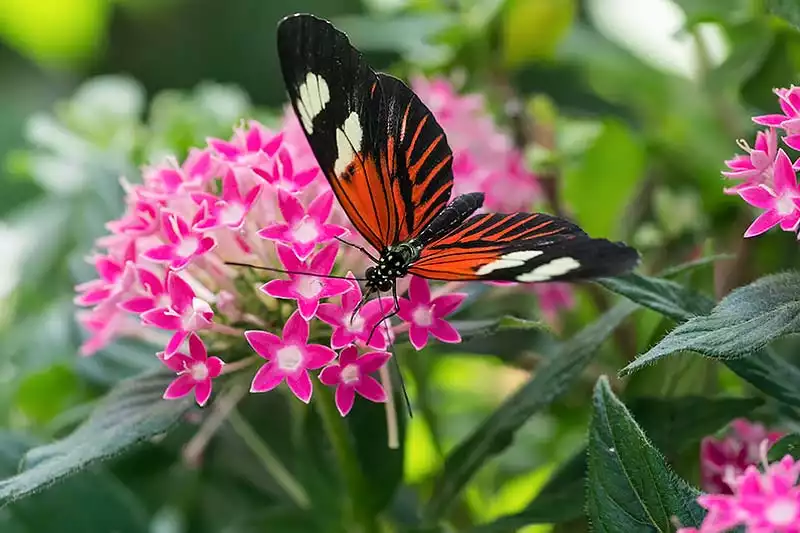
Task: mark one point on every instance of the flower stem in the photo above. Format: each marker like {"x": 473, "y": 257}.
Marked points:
{"x": 345, "y": 454}
{"x": 393, "y": 434}
{"x": 269, "y": 460}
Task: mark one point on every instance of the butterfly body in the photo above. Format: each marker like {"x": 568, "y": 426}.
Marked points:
{"x": 389, "y": 164}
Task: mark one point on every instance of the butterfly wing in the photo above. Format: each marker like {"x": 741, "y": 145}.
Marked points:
{"x": 521, "y": 247}
{"x": 384, "y": 155}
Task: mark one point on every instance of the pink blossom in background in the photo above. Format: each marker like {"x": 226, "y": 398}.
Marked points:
{"x": 351, "y": 375}
{"x": 195, "y": 372}
{"x": 725, "y": 458}
{"x": 789, "y": 120}
{"x": 258, "y": 198}
{"x": 767, "y": 502}
{"x": 289, "y": 358}
{"x": 425, "y": 315}
{"x": 781, "y": 202}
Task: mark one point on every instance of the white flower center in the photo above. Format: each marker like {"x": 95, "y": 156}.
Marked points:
{"x": 782, "y": 512}
{"x": 231, "y": 214}
{"x": 187, "y": 247}
{"x": 289, "y": 358}
{"x": 193, "y": 317}
{"x": 305, "y": 231}
{"x": 199, "y": 371}
{"x": 356, "y": 326}
{"x": 784, "y": 205}
{"x": 308, "y": 287}
{"x": 422, "y": 316}
{"x": 350, "y": 374}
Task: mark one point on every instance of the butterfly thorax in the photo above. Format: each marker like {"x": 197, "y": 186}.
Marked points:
{"x": 393, "y": 263}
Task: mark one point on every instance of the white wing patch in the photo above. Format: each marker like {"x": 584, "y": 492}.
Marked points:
{"x": 512, "y": 260}
{"x": 556, "y": 267}
{"x": 314, "y": 95}
{"x": 348, "y": 142}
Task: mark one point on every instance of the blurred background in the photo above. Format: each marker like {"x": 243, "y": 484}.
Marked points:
{"x": 635, "y": 104}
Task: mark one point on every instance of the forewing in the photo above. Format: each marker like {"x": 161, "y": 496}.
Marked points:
{"x": 521, "y": 247}
{"x": 384, "y": 154}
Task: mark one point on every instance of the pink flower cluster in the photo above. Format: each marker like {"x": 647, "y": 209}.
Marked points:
{"x": 728, "y": 457}
{"x": 259, "y": 198}
{"x": 768, "y": 174}
{"x": 767, "y": 502}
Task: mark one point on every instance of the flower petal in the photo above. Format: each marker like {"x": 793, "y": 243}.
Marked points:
{"x": 214, "y": 366}
{"x": 291, "y": 208}
{"x": 443, "y": 331}
{"x": 344, "y": 398}
{"x": 330, "y": 375}
{"x": 330, "y": 314}
{"x": 267, "y": 378}
{"x": 419, "y": 291}
{"x": 371, "y": 389}
{"x": 372, "y": 361}
{"x": 180, "y": 387}
{"x": 197, "y": 350}
{"x": 418, "y": 336}
{"x": 318, "y": 356}
{"x": 447, "y": 304}
{"x": 202, "y": 392}
{"x": 765, "y": 221}
{"x": 265, "y": 344}
{"x": 175, "y": 342}
{"x": 320, "y": 207}
{"x": 279, "y": 288}
{"x": 288, "y": 258}
{"x": 785, "y": 177}
{"x": 300, "y": 385}
{"x": 758, "y": 196}
{"x": 322, "y": 262}
{"x": 180, "y": 292}
{"x": 295, "y": 331}
{"x": 348, "y": 355}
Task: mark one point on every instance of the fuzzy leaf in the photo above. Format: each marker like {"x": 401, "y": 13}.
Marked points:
{"x": 497, "y": 432}
{"x": 131, "y": 413}
{"x": 470, "y": 329}
{"x": 744, "y": 322}
{"x": 630, "y": 488}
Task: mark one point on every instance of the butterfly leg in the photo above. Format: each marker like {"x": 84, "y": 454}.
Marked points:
{"x": 359, "y": 248}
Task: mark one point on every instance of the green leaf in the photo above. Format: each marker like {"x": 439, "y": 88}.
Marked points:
{"x": 788, "y": 444}
{"x": 630, "y": 487}
{"x": 90, "y": 502}
{"x": 744, "y": 322}
{"x": 382, "y": 466}
{"x": 131, "y": 413}
{"x": 616, "y": 156}
{"x": 497, "y": 432}
{"x": 714, "y": 10}
{"x": 471, "y": 329}
{"x": 43, "y": 395}
{"x": 672, "y": 424}
{"x": 788, "y": 10}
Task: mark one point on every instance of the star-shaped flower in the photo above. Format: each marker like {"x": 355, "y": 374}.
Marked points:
{"x": 426, "y": 316}
{"x": 351, "y": 375}
{"x": 195, "y": 372}
{"x": 183, "y": 243}
{"x": 781, "y": 202}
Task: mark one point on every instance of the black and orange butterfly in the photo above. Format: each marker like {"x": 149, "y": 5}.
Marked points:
{"x": 389, "y": 164}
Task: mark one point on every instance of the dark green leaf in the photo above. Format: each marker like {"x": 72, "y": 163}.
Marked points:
{"x": 471, "y": 329}
{"x": 788, "y": 10}
{"x": 744, "y": 322}
{"x": 667, "y": 297}
{"x": 90, "y": 502}
{"x": 497, "y": 432}
{"x": 131, "y": 413}
{"x": 672, "y": 424}
{"x": 788, "y": 444}
{"x": 630, "y": 487}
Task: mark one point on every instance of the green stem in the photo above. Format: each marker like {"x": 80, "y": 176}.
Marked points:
{"x": 269, "y": 460}
{"x": 346, "y": 455}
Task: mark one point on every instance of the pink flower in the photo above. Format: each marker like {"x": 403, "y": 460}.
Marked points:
{"x": 553, "y": 297}
{"x": 307, "y": 289}
{"x": 185, "y": 314}
{"x": 231, "y": 210}
{"x": 117, "y": 277}
{"x": 251, "y": 146}
{"x": 152, "y": 294}
{"x": 141, "y": 218}
{"x": 351, "y": 375}
{"x": 289, "y": 358}
{"x": 426, "y": 316}
{"x": 303, "y": 230}
{"x": 724, "y": 459}
{"x": 195, "y": 372}
{"x": 767, "y": 502}
{"x": 184, "y": 244}
{"x": 756, "y": 166}
{"x": 780, "y": 202}
{"x": 789, "y": 120}
{"x": 283, "y": 176}
{"x": 349, "y": 328}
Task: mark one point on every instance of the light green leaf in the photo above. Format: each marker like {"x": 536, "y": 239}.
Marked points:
{"x": 617, "y": 157}
{"x": 788, "y": 10}
{"x": 496, "y": 433}
{"x": 131, "y": 413}
{"x": 630, "y": 487}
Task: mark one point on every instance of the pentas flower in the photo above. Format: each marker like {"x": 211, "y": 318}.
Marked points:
{"x": 307, "y": 289}
{"x": 185, "y": 313}
{"x": 303, "y": 230}
{"x": 425, "y": 315}
{"x": 781, "y": 202}
{"x": 728, "y": 457}
{"x": 789, "y": 119}
{"x": 767, "y": 502}
{"x": 195, "y": 372}
{"x": 258, "y": 198}
{"x": 351, "y": 375}
{"x": 755, "y": 167}
{"x": 289, "y": 358}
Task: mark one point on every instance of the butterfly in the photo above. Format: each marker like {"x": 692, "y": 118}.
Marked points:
{"x": 389, "y": 164}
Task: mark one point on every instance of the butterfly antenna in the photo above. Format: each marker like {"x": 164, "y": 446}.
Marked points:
{"x": 359, "y": 248}
{"x": 293, "y": 272}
